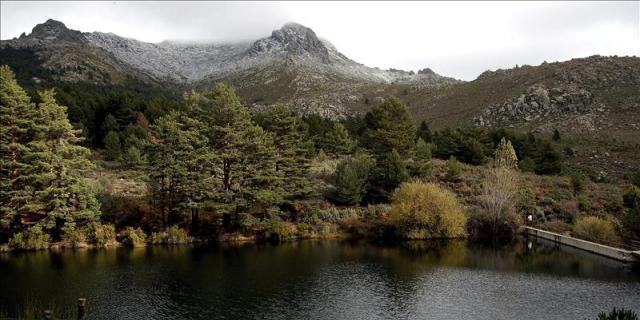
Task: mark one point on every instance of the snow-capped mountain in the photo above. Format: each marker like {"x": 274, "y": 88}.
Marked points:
{"x": 192, "y": 62}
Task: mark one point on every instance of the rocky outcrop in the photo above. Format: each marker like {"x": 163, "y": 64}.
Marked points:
{"x": 293, "y": 40}
{"x": 51, "y": 32}
{"x": 538, "y": 104}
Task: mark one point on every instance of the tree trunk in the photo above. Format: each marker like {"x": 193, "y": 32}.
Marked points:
{"x": 227, "y": 175}
{"x": 170, "y": 213}
{"x": 194, "y": 219}
{"x": 226, "y": 220}
{"x": 164, "y": 221}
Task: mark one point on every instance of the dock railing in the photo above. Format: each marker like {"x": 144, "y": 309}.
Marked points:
{"x": 620, "y": 254}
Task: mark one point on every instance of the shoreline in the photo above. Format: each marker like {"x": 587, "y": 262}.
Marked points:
{"x": 224, "y": 238}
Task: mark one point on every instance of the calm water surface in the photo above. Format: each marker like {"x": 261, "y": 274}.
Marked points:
{"x": 324, "y": 280}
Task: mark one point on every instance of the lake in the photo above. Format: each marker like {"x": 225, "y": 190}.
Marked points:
{"x": 327, "y": 279}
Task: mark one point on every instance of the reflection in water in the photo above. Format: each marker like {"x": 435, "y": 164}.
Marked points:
{"x": 523, "y": 279}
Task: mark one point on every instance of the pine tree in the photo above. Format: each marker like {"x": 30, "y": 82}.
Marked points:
{"x": 389, "y": 174}
{"x": 133, "y": 157}
{"x": 423, "y": 150}
{"x": 112, "y": 146}
{"x": 421, "y": 165}
{"x": 246, "y": 154}
{"x": 17, "y": 124}
{"x": 292, "y": 157}
{"x": 352, "y": 175}
{"x": 454, "y": 170}
{"x": 338, "y": 141}
{"x": 66, "y": 198}
{"x": 47, "y": 187}
{"x": 42, "y": 163}
{"x": 389, "y": 127}
{"x": 424, "y": 132}
{"x": 110, "y": 124}
{"x": 181, "y": 166}
{"x": 505, "y": 155}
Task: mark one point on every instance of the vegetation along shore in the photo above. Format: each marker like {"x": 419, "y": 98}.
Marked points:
{"x": 210, "y": 170}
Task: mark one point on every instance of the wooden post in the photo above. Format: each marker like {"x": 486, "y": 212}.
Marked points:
{"x": 82, "y": 309}
{"x": 47, "y": 315}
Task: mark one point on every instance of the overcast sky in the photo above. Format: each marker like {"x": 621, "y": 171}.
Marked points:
{"x": 459, "y": 39}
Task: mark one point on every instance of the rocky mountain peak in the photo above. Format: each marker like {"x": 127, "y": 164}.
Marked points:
{"x": 426, "y": 71}
{"x": 55, "y": 30}
{"x": 293, "y": 39}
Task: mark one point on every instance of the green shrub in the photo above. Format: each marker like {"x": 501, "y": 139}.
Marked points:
{"x": 527, "y": 202}
{"x": 618, "y": 314}
{"x": 305, "y": 230}
{"x": 332, "y": 215}
{"x": 77, "y": 237}
{"x": 133, "y": 237}
{"x": 454, "y": 169}
{"x": 31, "y": 239}
{"x": 329, "y": 215}
{"x": 171, "y": 235}
{"x": 423, "y": 210}
{"x": 102, "y": 235}
{"x": 351, "y": 179}
{"x": 133, "y": 157}
{"x": 631, "y": 219}
{"x": 248, "y": 222}
{"x": 577, "y": 183}
{"x": 280, "y": 231}
{"x": 631, "y": 199}
{"x": 584, "y": 203}
{"x": 527, "y": 165}
{"x": 597, "y": 230}
{"x": 635, "y": 179}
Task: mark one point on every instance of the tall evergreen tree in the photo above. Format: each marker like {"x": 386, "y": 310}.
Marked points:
{"x": 17, "y": 129}
{"x": 180, "y": 163}
{"x": 338, "y": 141}
{"x": 390, "y": 127}
{"x": 424, "y": 132}
{"x": 246, "y": 154}
{"x": 391, "y": 172}
{"x": 387, "y": 175}
{"x": 62, "y": 195}
{"x": 112, "y": 145}
{"x": 352, "y": 176}
{"x": 421, "y": 164}
{"x": 42, "y": 164}
{"x": 292, "y": 155}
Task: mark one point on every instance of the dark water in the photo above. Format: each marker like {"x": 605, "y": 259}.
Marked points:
{"x": 324, "y": 280}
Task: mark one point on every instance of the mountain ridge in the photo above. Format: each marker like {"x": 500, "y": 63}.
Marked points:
{"x": 186, "y": 63}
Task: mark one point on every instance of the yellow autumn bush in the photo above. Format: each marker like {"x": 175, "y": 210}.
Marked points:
{"x": 597, "y": 230}
{"x": 422, "y": 210}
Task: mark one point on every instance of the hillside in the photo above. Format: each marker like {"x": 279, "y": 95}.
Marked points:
{"x": 54, "y": 52}
{"x": 593, "y": 101}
